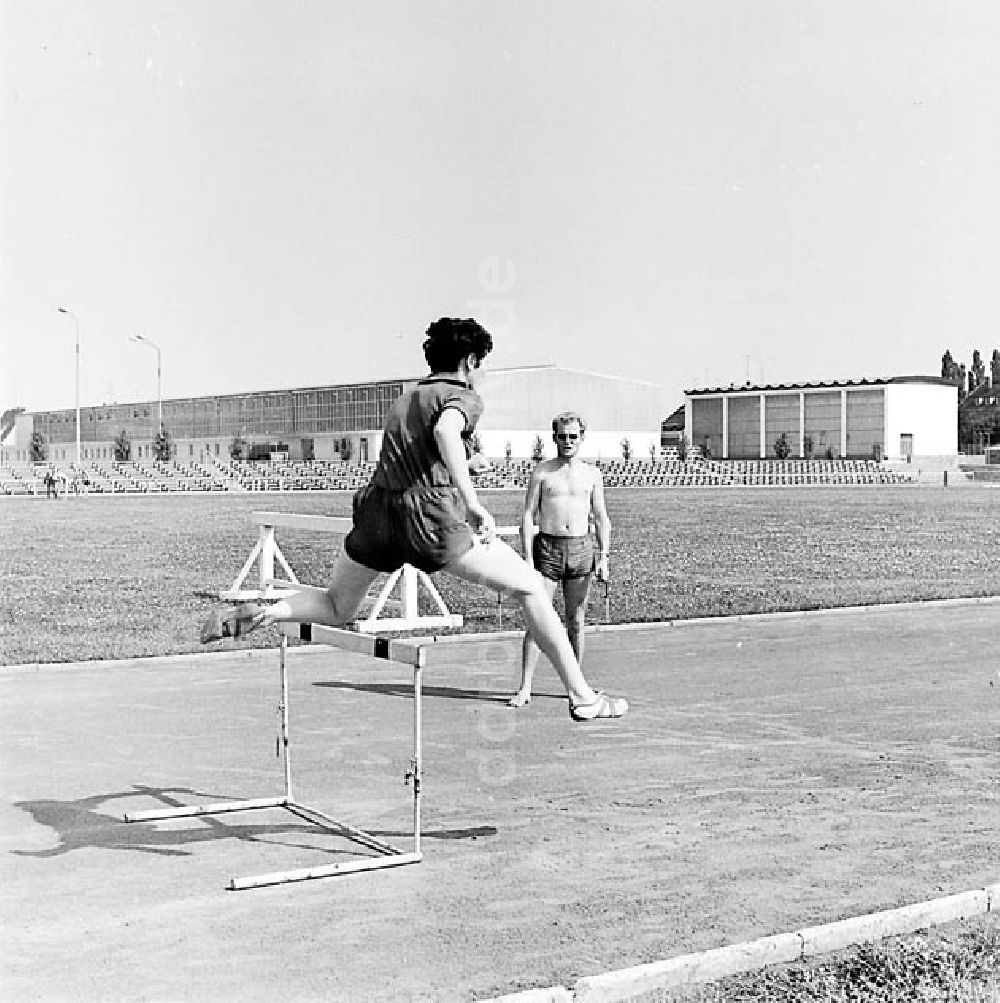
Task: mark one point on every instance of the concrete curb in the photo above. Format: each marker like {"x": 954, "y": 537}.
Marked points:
{"x": 706, "y": 966}
{"x": 782, "y": 948}
{"x": 554, "y": 994}
{"x": 892, "y": 923}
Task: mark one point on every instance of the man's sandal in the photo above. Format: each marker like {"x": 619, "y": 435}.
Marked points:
{"x": 603, "y": 706}
{"x": 236, "y": 622}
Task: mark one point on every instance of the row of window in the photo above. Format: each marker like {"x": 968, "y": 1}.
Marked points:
{"x": 339, "y": 410}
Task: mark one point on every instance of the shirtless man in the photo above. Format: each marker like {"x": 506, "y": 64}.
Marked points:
{"x": 562, "y": 495}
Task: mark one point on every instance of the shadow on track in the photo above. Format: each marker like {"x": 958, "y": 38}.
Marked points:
{"x": 79, "y": 825}
{"x": 405, "y": 690}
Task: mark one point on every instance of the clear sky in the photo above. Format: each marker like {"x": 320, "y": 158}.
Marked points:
{"x": 688, "y": 193}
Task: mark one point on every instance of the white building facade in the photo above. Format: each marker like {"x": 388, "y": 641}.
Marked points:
{"x": 892, "y": 419}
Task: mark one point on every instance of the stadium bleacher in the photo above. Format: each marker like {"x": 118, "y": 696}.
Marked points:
{"x": 135, "y": 477}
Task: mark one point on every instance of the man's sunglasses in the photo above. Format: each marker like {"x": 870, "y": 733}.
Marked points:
{"x": 567, "y": 436}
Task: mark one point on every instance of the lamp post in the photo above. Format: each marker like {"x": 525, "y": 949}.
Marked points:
{"x": 159, "y": 400}
{"x": 76, "y": 324}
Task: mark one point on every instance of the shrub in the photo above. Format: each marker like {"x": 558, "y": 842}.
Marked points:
{"x": 781, "y": 447}
{"x": 239, "y": 447}
{"x": 38, "y": 448}
{"x": 122, "y": 446}
{"x": 538, "y": 449}
{"x": 163, "y": 445}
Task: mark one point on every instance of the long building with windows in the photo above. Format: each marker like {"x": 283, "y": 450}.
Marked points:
{"x": 895, "y": 418}
{"x": 345, "y": 421}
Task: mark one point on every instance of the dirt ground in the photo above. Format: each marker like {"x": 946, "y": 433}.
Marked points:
{"x": 773, "y": 773}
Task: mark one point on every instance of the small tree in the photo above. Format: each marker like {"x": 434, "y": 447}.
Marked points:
{"x": 476, "y": 443}
{"x": 239, "y": 447}
{"x": 163, "y": 445}
{"x": 626, "y": 447}
{"x": 538, "y": 449}
{"x": 781, "y": 447}
{"x": 38, "y": 448}
{"x": 508, "y": 449}
{"x": 652, "y": 452}
{"x": 807, "y": 446}
{"x": 122, "y": 446}
{"x": 682, "y": 448}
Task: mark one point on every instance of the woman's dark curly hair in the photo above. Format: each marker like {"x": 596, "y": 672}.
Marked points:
{"x": 449, "y": 340}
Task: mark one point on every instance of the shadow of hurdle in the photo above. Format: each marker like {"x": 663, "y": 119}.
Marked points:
{"x": 405, "y": 690}
{"x": 81, "y": 825}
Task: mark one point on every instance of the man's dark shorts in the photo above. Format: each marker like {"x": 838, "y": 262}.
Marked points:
{"x": 424, "y": 527}
{"x": 562, "y": 557}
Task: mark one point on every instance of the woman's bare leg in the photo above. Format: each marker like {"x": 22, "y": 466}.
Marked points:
{"x": 497, "y": 566}
{"x": 335, "y": 606}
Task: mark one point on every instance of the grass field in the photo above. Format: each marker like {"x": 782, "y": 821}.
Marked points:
{"x": 118, "y": 577}
{"x": 121, "y": 577}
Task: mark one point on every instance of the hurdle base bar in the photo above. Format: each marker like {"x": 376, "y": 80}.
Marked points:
{"x": 330, "y": 871}
{"x": 391, "y": 856}
{"x": 218, "y": 808}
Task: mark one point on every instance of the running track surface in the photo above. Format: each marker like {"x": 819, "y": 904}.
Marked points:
{"x": 773, "y": 773}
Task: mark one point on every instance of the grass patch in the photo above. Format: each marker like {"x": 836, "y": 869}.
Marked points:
{"x": 953, "y": 963}
{"x": 117, "y": 577}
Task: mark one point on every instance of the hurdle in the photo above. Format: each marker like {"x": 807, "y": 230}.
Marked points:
{"x": 267, "y": 554}
{"x": 364, "y": 641}
{"x": 407, "y": 581}
{"x": 387, "y": 855}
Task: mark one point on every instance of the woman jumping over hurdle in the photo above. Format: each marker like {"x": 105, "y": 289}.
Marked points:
{"x": 420, "y": 508}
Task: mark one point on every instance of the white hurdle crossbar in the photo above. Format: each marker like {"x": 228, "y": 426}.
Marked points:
{"x": 407, "y": 652}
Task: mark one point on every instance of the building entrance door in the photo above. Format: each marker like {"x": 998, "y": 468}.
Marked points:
{"x": 906, "y": 446}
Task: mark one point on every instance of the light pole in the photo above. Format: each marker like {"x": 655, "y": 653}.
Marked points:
{"x": 76, "y": 324}
{"x": 159, "y": 400}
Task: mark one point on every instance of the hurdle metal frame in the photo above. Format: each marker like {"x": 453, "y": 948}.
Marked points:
{"x": 407, "y": 652}
{"x": 412, "y": 652}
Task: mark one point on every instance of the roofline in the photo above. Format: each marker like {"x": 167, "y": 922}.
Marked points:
{"x": 822, "y": 385}
{"x": 567, "y": 369}
{"x": 339, "y": 386}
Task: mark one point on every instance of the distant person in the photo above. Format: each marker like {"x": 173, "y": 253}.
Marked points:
{"x": 51, "y": 484}
{"x": 420, "y": 507}
{"x": 562, "y": 496}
